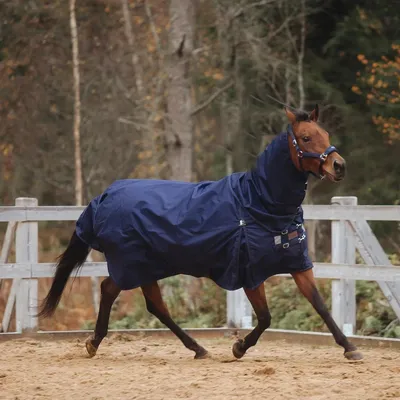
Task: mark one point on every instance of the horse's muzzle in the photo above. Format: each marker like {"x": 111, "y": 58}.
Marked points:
{"x": 339, "y": 167}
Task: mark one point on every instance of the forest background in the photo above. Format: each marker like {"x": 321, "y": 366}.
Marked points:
{"x": 96, "y": 90}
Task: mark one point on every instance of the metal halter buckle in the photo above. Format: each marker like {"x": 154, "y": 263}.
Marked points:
{"x": 285, "y": 245}
{"x": 323, "y": 156}
{"x": 300, "y": 154}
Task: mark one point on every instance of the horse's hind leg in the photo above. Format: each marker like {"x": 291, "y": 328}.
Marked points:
{"x": 158, "y": 308}
{"x": 259, "y": 302}
{"x": 306, "y": 283}
{"x": 109, "y": 292}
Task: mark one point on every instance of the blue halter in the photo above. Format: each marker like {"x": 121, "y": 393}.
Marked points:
{"x": 307, "y": 154}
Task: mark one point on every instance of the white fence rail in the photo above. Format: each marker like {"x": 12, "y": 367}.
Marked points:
{"x": 333, "y": 212}
{"x": 348, "y": 233}
{"x": 321, "y": 270}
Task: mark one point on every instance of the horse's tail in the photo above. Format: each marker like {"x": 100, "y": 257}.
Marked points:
{"x": 72, "y": 258}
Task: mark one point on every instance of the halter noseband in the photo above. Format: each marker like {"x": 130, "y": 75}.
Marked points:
{"x": 306, "y": 154}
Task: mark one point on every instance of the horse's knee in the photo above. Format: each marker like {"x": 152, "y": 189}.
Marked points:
{"x": 264, "y": 320}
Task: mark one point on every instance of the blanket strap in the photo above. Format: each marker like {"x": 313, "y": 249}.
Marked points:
{"x": 286, "y": 237}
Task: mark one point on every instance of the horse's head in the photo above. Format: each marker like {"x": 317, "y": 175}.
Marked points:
{"x": 310, "y": 147}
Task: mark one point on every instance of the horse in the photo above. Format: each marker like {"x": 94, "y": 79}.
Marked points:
{"x": 237, "y": 231}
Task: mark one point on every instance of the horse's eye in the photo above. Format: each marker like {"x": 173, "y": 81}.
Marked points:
{"x": 306, "y": 138}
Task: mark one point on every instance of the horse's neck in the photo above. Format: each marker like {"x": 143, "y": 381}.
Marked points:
{"x": 279, "y": 182}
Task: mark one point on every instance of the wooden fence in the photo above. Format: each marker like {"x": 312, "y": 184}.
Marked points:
{"x": 350, "y": 231}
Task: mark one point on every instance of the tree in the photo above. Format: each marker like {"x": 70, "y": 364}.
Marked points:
{"x": 229, "y": 110}
{"x": 137, "y": 68}
{"x": 77, "y": 106}
{"x": 180, "y": 127}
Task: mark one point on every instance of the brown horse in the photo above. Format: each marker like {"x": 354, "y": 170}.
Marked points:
{"x": 309, "y": 151}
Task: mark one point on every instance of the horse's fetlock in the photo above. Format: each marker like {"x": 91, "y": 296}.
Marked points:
{"x": 342, "y": 341}
{"x": 193, "y": 346}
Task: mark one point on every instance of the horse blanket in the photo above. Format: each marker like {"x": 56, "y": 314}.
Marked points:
{"x": 237, "y": 231}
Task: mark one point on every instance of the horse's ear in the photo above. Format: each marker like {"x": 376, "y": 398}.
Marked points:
{"x": 314, "y": 114}
{"x": 290, "y": 115}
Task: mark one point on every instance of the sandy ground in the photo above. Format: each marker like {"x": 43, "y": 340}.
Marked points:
{"x": 161, "y": 368}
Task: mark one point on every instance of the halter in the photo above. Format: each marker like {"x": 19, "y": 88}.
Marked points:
{"x": 307, "y": 154}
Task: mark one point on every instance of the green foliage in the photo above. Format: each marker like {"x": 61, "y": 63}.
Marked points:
{"x": 203, "y": 306}
{"x": 261, "y": 60}
{"x": 363, "y": 30}
{"x": 371, "y": 325}
{"x": 393, "y": 331}
{"x": 290, "y": 310}
{"x": 373, "y": 311}
{"x": 194, "y": 303}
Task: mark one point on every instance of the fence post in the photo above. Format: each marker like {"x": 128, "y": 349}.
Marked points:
{"x": 239, "y": 310}
{"x": 344, "y": 252}
{"x": 26, "y": 251}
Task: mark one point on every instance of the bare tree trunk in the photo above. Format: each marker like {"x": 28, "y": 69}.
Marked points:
{"x": 77, "y": 106}
{"x": 312, "y": 225}
{"x": 300, "y": 75}
{"x": 156, "y": 38}
{"x": 130, "y": 37}
{"x": 179, "y": 102}
{"x": 156, "y": 124}
{"x": 288, "y": 93}
{"x": 226, "y": 42}
{"x": 77, "y": 133}
{"x": 288, "y": 87}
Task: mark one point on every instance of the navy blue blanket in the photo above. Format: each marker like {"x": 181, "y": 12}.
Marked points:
{"x": 233, "y": 231}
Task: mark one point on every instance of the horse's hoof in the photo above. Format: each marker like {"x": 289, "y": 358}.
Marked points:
{"x": 237, "y": 349}
{"x": 202, "y": 355}
{"x": 90, "y": 348}
{"x": 354, "y": 355}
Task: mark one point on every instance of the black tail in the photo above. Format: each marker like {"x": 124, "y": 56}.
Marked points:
{"x": 72, "y": 258}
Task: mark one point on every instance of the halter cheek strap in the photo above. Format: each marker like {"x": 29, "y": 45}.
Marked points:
{"x": 307, "y": 154}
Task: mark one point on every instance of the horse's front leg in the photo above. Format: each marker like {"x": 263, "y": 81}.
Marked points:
{"x": 157, "y": 307}
{"x": 259, "y": 302}
{"x": 306, "y": 283}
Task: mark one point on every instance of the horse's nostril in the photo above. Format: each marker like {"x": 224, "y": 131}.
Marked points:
{"x": 339, "y": 167}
